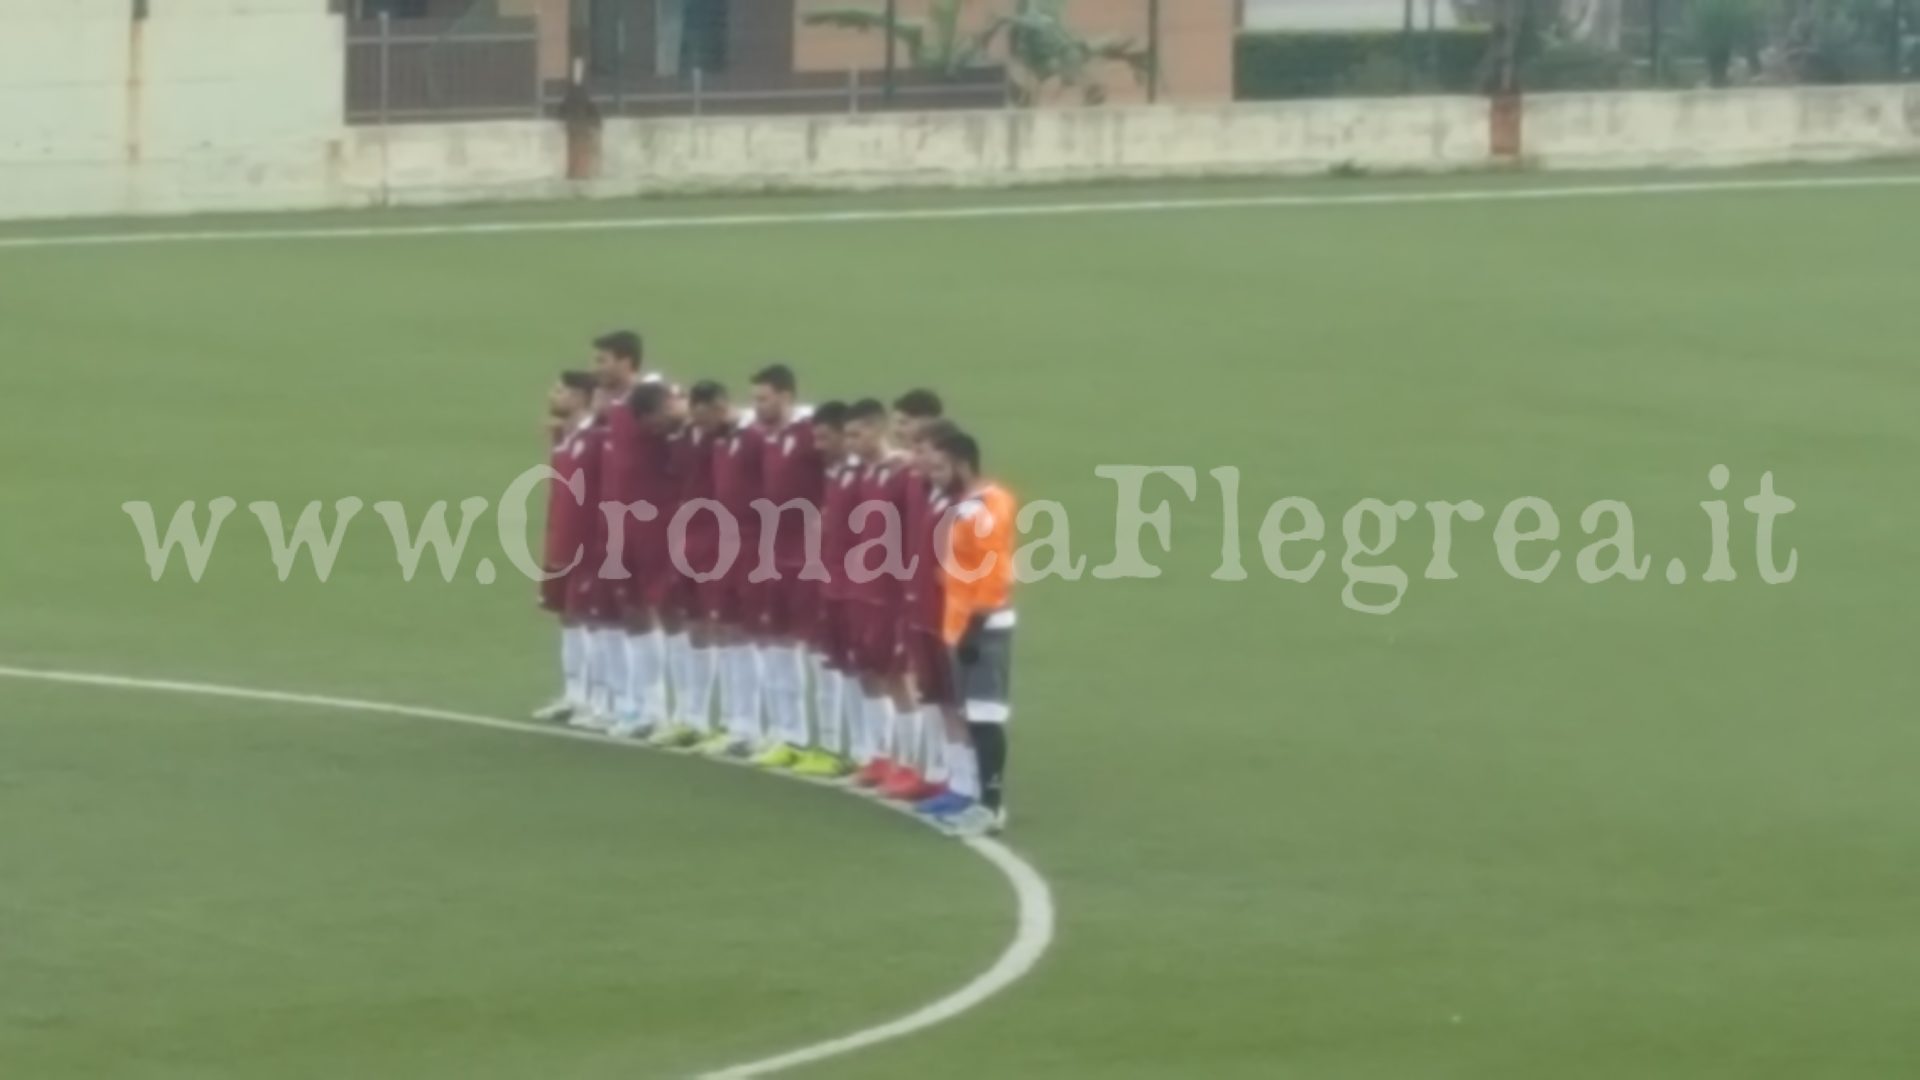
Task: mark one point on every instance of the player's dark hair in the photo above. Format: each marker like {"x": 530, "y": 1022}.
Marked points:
{"x": 777, "y": 377}
{"x": 624, "y": 344}
{"x": 935, "y": 430}
{"x": 832, "y": 414}
{"x": 961, "y": 447}
{"x": 706, "y": 392}
{"x": 866, "y": 409}
{"x": 920, "y": 405}
{"x": 580, "y": 382}
{"x": 649, "y": 398}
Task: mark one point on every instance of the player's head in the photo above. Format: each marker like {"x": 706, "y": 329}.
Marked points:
{"x": 954, "y": 461}
{"x": 926, "y": 437}
{"x": 912, "y": 410}
{"x": 617, "y": 358}
{"x": 572, "y": 393}
{"x": 830, "y": 429}
{"x": 773, "y": 389}
{"x": 707, "y": 405}
{"x": 656, "y": 406}
{"x": 866, "y": 428}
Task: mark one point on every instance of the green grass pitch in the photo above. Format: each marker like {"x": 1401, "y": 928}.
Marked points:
{"x": 1510, "y": 831}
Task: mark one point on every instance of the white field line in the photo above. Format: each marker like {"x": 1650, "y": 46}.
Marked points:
{"x": 1033, "y": 933}
{"x": 966, "y": 213}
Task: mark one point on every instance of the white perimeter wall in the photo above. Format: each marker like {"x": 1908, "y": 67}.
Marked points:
{"x": 237, "y": 105}
{"x": 209, "y": 104}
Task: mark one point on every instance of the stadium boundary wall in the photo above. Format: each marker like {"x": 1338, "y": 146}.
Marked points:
{"x": 235, "y": 105}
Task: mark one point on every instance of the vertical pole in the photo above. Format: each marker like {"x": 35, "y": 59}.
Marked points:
{"x": 699, "y": 84}
{"x": 1898, "y": 32}
{"x": 853, "y": 91}
{"x": 1655, "y": 16}
{"x": 1153, "y": 52}
{"x": 887, "y": 41}
{"x": 1406, "y": 47}
{"x": 1433, "y": 44}
{"x": 620, "y": 65}
{"x": 386, "y": 85}
{"x": 386, "y": 63}
{"x": 539, "y": 83}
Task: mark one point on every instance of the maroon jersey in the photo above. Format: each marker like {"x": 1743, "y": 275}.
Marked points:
{"x": 736, "y": 484}
{"x": 620, "y": 452}
{"x": 842, "y": 482}
{"x": 882, "y": 483}
{"x": 575, "y": 455}
{"x": 925, "y": 589}
{"x": 690, "y": 450}
{"x": 790, "y": 471}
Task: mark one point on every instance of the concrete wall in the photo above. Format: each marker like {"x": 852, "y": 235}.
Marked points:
{"x": 1722, "y": 127}
{"x": 1000, "y": 147}
{"x": 237, "y": 105}
{"x": 217, "y": 104}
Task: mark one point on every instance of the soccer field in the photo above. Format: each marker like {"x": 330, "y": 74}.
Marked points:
{"x": 1509, "y": 831}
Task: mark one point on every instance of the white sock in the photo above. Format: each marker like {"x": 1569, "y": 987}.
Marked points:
{"x": 644, "y": 674}
{"x": 906, "y": 738}
{"x": 853, "y": 712}
{"x": 698, "y": 711}
{"x": 963, "y": 772}
{"x": 613, "y": 667}
{"x": 679, "y": 673}
{"x": 574, "y": 647}
{"x": 740, "y": 666}
{"x": 933, "y": 744}
{"x": 785, "y": 677}
{"x": 828, "y": 719}
{"x": 879, "y": 724}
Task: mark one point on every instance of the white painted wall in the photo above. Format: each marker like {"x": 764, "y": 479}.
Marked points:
{"x": 227, "y": 104}
{"x": 1722, "y": 127}
{"x": 238, "y": 107}
{"x": 987, "y": 148}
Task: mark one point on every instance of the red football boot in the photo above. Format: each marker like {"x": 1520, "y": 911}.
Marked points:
{"x": 906, "y": 785}
{"x": 874, "y": 773}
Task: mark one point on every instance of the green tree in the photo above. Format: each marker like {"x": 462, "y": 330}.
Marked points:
{"x": 1044, "y": 52}
{"x": 936, "y": 43}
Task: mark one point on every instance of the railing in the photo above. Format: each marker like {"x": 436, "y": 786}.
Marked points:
{"x": 855, "y": 91}
{"x": 693, "y": 58}
{"x": 401, "y": 70}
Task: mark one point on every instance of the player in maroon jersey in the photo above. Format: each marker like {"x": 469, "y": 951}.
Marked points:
{"x": 876, "y": 569}
{"x": 732, "y": 602}
{"x": 790, "y": 479}
{"x": 916, "y": 419}
{"x": 567, "y": 590}
{"x": 834, "y": 689}
{"x": 681, "y": 448}
{"x": 693, "y": 548}
{"x": 633, "y": 483}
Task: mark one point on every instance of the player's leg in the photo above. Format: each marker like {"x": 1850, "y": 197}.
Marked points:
{"x": 739, "y": 672}
{"x": 553, "y": 599}
{"x": 784, "y": 674}
{"x": 676, "y": 625}
{"x": 986, "y": 691}
{"x": 877, "y": 717}
{"x": 828, "y": 758}
{"x": 947, "y": 729}
{"x": 646, "y": 670}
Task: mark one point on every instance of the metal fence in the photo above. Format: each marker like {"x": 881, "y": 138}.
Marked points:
{"x": 1294, "y": 48}
{"x": 786, "y": 56}
{"x": 401, "y": 70}
{"x": 703, "y": 57}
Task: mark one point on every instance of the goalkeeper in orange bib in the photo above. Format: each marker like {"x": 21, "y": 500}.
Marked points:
{"x": 977, "y": 570}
